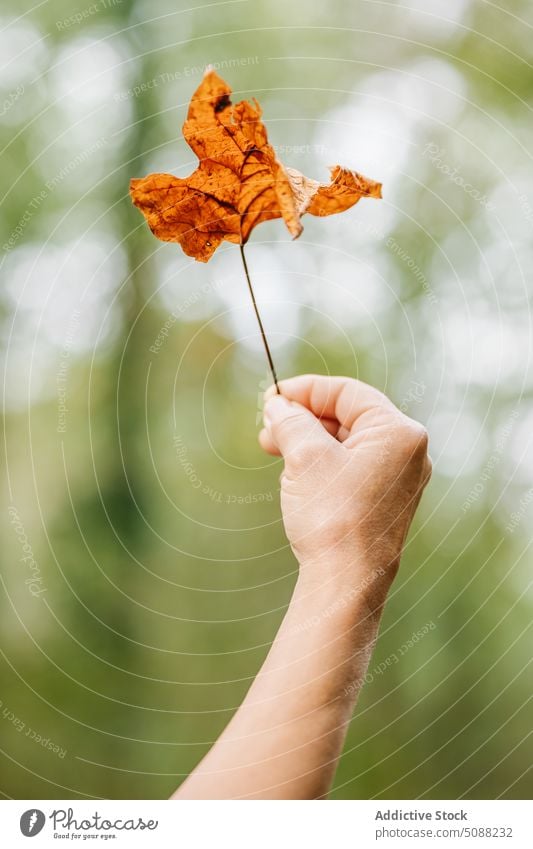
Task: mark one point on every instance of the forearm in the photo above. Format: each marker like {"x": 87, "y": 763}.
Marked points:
{"x": 286, "y": 738}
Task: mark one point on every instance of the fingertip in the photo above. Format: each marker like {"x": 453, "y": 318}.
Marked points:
{"x": 270, "y": 392}
{"x": 267, "y": 444}
{"x": 275, "y": 406}
{"x": 286, "y": 387}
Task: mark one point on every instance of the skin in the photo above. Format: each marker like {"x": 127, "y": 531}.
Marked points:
{"x": 354, "y": 471}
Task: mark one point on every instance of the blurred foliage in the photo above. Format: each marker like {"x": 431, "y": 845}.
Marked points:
{"x": 151, "y": 515}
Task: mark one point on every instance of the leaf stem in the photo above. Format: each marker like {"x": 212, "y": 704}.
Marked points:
{"x": 261, "y": 328}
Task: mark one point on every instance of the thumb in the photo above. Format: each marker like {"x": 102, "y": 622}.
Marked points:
{"x": 297, "y": 433}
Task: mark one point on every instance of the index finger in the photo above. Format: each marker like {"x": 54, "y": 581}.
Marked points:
{"x": 343, "y": 399}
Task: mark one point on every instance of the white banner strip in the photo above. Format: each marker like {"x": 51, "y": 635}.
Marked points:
{"x": 267, "y": 825}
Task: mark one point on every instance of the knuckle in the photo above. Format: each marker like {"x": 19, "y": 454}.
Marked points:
{"x": 414, "y": 439}
{"x": 428, "y": 469}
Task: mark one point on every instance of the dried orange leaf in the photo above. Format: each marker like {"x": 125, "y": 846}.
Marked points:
{"x": 239, "y": 182}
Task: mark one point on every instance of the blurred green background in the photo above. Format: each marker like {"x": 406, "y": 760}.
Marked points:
{"x": 144, "y": 565}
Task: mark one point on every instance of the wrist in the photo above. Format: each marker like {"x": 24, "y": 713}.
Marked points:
{"x": 344, "y": 582}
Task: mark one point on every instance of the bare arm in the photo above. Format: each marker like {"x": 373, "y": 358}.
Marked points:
{"x": 355, "y": 468}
